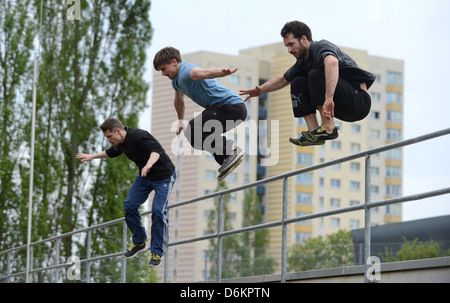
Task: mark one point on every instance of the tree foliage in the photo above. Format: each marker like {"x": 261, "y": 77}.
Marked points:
{"x": 333, "y": 250}
{"x": 89, "y": 69}
{"x": 243, "y": 254}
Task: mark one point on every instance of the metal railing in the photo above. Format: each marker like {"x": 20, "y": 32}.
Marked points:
{"x": 221, "y": 233}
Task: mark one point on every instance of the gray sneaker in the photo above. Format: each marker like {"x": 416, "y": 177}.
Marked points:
{"x": 232, "y": 159}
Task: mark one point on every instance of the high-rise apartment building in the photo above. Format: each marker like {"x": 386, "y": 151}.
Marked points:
{"x": 325, "y": 189}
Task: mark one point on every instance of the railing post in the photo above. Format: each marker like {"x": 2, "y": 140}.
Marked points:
{"x": 219, "y": 239}
{"x": 57, "y": 246}
{"x": 284, "y": 232}
{"x": 88, "y": 256}
{"x": 367, "y": 219}
{"x": 166, "y": 264}
{"x": 123, "y": 278}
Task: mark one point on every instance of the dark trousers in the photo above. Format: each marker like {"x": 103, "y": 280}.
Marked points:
{"x": 137, "y": 195}
{"x": 204, "y": 132}
{"x": 351, "y": 103}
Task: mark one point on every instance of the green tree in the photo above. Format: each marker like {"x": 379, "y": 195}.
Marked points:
{"x": 17, "y": 31}
{"x": 230, "y": 244}
{"x": 333, "y": 250}
{"x": 253, "y": 258}
{"x": 90, "y": 69}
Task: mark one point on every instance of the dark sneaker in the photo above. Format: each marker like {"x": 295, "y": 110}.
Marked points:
{"x": 322, "y": 134}
{"x": 155, "y": 260}
{"x": 307, "y": 139}
{"x": 228, "y": 171}
{"x": 134, "y": 249}
{"x": 232, "y": 159}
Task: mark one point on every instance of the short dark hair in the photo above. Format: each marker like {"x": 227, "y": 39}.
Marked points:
{"x": 165, "y": 56}
{"x": 298, "y": 29}
{"x": 111, "y": 124}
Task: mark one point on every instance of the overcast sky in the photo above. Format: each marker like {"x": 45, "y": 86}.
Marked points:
{"x": 415, "y": 31}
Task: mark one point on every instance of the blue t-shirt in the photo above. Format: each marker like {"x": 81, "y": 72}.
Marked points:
{"x": 206, "y": 92}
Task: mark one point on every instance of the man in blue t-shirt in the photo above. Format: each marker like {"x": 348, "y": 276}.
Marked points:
{"x": 324, "y": 78}
{"x": 224, "y": 109}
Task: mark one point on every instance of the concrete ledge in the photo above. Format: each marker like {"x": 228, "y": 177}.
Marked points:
{"x": 435, "y": 270}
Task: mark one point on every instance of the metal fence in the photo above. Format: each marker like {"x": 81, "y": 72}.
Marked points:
{"x": 7, "y": 273}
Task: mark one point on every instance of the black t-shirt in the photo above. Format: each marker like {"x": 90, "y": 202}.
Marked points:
{"x": 137, "y": 146}
{"x": 348, "y": 69}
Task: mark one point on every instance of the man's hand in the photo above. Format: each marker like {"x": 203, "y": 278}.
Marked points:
{"x": 145, "y": 170}
{"x": 227, "y": 71}
{"x": 253, "y": 92}
{"x": 328, "y": 108}
{"x": 85, "y": 157}
{"x": 180, "y": 127}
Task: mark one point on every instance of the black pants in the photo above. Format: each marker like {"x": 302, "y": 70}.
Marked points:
{"x": 205, "y": 131}
{"x": 351, "y": 103}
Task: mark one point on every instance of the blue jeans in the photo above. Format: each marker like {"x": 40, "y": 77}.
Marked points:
{"x": 137, "y": 195}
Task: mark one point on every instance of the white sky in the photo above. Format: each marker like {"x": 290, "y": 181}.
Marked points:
{"x": 415, "y": 31}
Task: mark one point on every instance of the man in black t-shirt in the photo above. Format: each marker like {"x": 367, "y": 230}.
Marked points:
{"x": 156, "y": 172}
{"x": 324, "y": 78}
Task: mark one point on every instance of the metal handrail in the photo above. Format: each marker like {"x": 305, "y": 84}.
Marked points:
{"x": 284, "y": 222}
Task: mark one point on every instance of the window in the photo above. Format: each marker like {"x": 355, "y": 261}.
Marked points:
{"x": 393, "y": 134}
{"x": 375, "y": 97}
{"x": 375, "y": 134}
{"x": 335, "y": 203}
{"x": 210, "y": 174}
{"x": 394, "y": 154}
{"x": 354, "y": 185}
{"x": 394, "y": 116}
{"x": 393, "y": 98}
{"x": 304, "y": 198}
{"x": 336, "y": 145}
{"x": 393, "y": 190}
{"x": 335, "y": 183}
{"x": 393, "y": 172}
{"x": 374, "y": 171}
{"x": 304, "y": 159}
{"x": 354, "y": 224}
{"x": 355, "y": 166}
{"x": 374, "y": 115}
{"x": 374, "y": 189}
{"x": 305, "y": 179}
{"x": 356, "y": 129}
{"x": 355, "y": 147}
{"x": 301, "y": 237}
{"x": 335, "y": 222}
{"x": 395, "y": 79}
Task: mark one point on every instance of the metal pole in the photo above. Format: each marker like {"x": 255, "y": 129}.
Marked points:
{"x": 123, "y": 278}
{"x": 219, "y": 239}
{"x": 367, "y": 220}
{"x": 30, "y": 190}
{"x": 88, "y": 257}
{"x": 284, "y": 232}
{"x": 57, "y": 246}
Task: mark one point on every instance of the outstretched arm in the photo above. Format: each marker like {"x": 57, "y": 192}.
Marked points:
{"x": 276, "y": 83}
{"x": 89, "y": 157}
{"x": 201, "y": 74}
